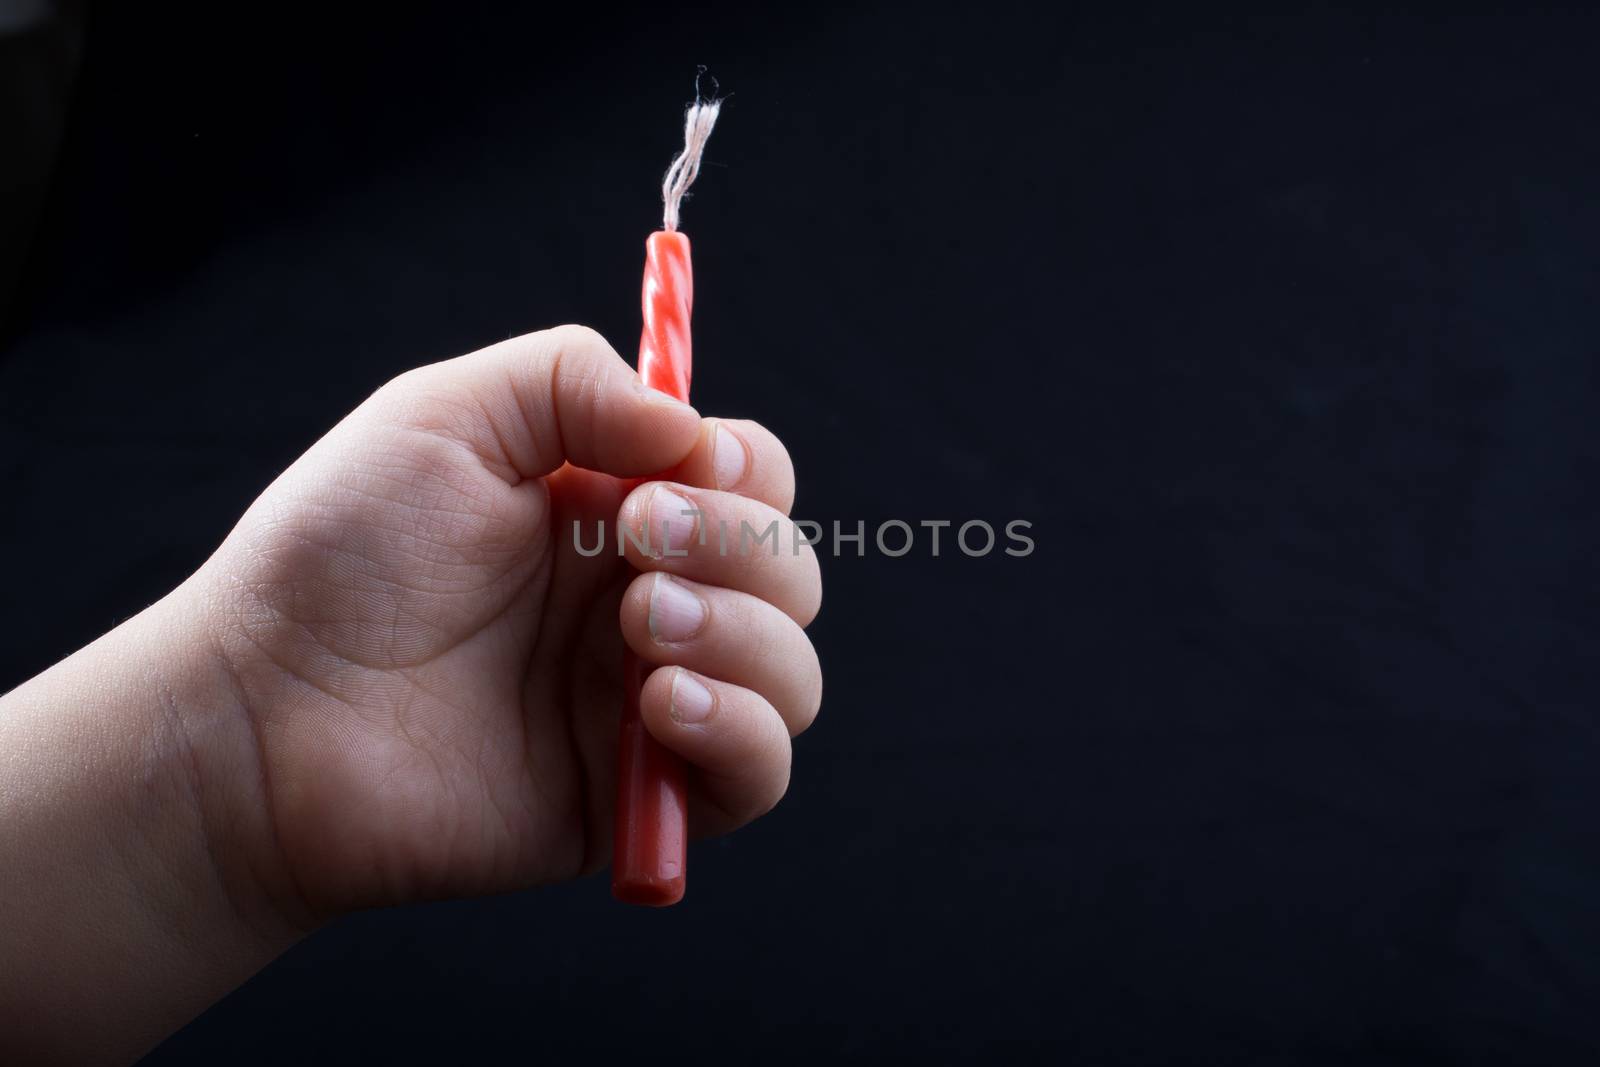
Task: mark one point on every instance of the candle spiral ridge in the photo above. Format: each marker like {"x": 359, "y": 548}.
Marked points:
{"x": 665, "y": 348}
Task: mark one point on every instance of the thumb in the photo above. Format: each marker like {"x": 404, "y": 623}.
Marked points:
{"x": 530, "y": 404}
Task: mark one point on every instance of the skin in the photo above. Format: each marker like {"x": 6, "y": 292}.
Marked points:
{"x": 396, "y": 680}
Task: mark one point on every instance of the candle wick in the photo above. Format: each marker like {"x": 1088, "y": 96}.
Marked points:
{"x": 697, "y": 123}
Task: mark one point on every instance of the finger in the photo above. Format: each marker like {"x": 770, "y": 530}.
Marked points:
{"x": 734, "y": 738}
{"x": 721, "y": 539}
{"x": 728, "y": 635}
{"x": 527, "y": 405}
{"x": 740, "y": 456}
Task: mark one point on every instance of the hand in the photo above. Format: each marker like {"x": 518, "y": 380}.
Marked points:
{"x": 430, "y": 669}
{"x": 398, "y": 678}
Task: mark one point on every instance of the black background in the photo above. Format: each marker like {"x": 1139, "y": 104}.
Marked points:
{"x": 1282, "y": 331}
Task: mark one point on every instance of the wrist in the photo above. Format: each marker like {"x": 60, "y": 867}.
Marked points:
{"x": 213, "y": 741}
{"x": 135, "y": 858}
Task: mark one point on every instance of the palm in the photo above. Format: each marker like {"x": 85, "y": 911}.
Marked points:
{"x": 440, "y": 624}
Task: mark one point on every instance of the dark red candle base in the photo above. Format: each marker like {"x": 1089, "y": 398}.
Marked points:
{"x": 648, "y": 860}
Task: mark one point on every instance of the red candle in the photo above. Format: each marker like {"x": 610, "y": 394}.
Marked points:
{"x": 652, "y": 826}
{"x": 648, "y": 857}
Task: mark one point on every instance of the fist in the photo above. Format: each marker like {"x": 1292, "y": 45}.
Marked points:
{"x": 431, "y": 668}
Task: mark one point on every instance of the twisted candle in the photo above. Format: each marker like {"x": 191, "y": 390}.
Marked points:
{"x": 665, "y": 348}
{"x": 651, "y": 835}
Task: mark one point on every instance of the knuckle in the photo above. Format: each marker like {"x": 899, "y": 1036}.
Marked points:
{"x": 403, "y": 381}
{"x": 405, "y": 390}
{"x": 425, "y": 399}
{"x": 576, "y": 341}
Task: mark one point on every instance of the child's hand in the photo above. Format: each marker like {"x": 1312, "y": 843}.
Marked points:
{"x": 398, "y": 678}
{"x": 430, "y": 670}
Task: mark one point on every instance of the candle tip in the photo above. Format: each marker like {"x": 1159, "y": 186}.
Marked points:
{"x": 697, "y": 123}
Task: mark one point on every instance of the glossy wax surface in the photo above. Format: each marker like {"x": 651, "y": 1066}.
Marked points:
{"x": 665, "y": 348}
{"x": 648, "y": 862}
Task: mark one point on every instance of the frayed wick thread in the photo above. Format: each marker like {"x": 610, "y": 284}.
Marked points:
{"x": 697, "y": 123}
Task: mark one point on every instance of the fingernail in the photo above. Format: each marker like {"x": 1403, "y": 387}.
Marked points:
{"x": 691, "y": 701}
{"x": 729, "y": 459}
{"x": 676, "y": 613}
{"x": 671, "y": 520}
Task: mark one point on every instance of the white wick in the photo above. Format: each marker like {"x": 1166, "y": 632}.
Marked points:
{"x": 697, "y": 123}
